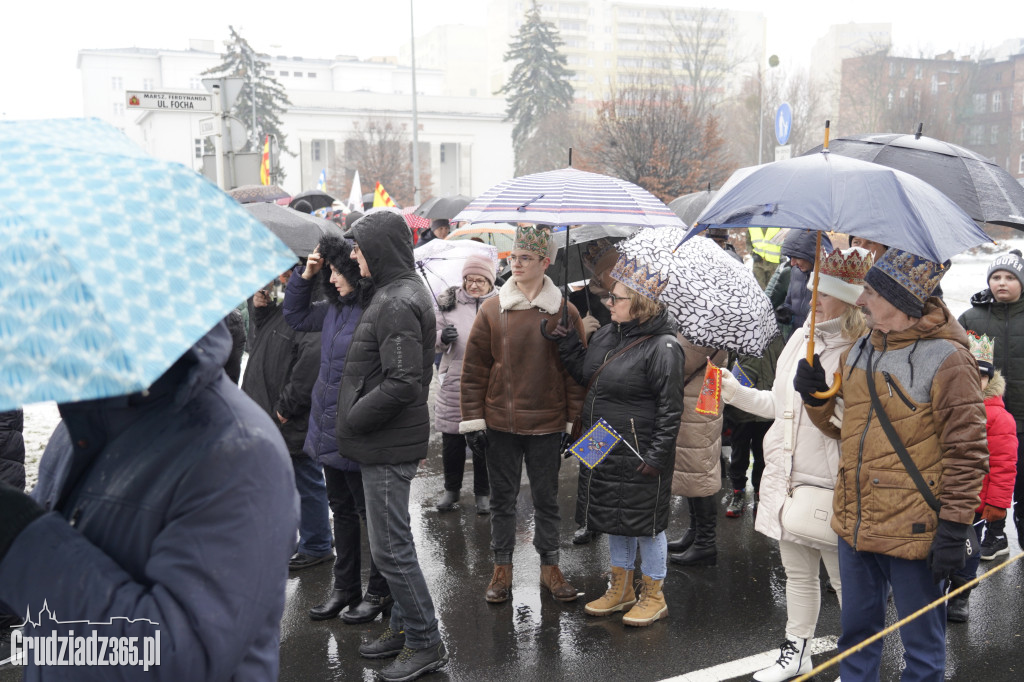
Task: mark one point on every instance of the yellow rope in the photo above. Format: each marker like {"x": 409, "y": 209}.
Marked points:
{"x": 900, "y": 623}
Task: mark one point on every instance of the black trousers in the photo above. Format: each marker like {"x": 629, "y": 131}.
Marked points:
{"x": 453, "y": 457}
{"x": 747, "y": 438}
{"x": 345, "y": 496}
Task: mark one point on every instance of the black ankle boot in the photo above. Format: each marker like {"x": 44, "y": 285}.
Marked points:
{"x": 338, "y": 600}
{"x": 369, "y": 608}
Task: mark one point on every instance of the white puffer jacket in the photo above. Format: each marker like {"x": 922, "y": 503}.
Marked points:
{"x": 793, "y": 441}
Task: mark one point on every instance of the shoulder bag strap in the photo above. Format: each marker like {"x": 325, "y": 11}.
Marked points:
{"x": 897, "y": 444}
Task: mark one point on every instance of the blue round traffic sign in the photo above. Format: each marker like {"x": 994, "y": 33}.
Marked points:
{"x": 783, "y": 123}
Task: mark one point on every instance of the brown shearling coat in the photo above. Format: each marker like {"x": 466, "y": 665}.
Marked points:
{"x": 927, "y": 382}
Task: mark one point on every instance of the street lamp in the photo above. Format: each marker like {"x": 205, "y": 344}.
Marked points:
{"x": 773, "y": 61}
{"x": 254, "y": 136}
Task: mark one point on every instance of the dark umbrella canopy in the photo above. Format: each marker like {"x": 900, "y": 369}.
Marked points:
{"x": 579, "y": 239}
{"x": 299, "y": 231}
{"x": 314, "y": 197}
{"x": 984, "y": 190}
{"x": 689, "y": 206}
{"x": 250, "y": 194}
{"x": 444, "y": 207}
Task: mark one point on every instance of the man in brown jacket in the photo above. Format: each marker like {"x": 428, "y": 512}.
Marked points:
{"x": 893, "y": 530}
{"x": 518, "y": 404}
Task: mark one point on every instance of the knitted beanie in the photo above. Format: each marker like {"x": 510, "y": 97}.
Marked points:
{"x": 1011, "y": 262}
{"x": 480, "y": 265}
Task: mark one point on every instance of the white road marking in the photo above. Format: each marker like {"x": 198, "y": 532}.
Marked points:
{"x": 751, "y": 664}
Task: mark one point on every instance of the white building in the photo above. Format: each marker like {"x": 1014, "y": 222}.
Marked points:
{"x": 464, "y": 137}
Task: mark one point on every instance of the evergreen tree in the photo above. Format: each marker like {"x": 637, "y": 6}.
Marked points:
{"x": 241, "y": 61}
{"x": 539, "y": 85}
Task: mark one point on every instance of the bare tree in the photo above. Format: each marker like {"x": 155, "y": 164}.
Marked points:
{"x": 646, "y": 133}
{"x": 381, "y": 150}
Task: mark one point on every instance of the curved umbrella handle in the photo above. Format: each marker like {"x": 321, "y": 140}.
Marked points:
{"x": 565, "y": 322}
{"x": 837, "y": 382}
{"x": 544, "y": 331}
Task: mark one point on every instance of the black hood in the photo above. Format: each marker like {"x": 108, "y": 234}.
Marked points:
{"x": 337, "y": 252}
{"x": 386, "y": 242}
{"x": 800, "y": 244}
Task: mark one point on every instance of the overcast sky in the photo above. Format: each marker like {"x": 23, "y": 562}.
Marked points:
{"x": 39, "y": 39}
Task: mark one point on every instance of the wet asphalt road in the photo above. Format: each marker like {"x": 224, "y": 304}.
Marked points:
{"x": 716, "y": 614}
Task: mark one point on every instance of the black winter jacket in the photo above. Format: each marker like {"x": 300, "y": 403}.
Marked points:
{"x": 12, "y": 448}
{"x": 382, "y": 403}
{"x": 1004, "y": 324}
{"x": 640, "y": 393}
{"x": 279, "y": 376}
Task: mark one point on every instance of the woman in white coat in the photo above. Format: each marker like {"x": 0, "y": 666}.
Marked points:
{"x": 796, "y": 453}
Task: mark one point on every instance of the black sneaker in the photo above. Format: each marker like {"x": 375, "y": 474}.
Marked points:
{"x": 735, "y": 503}
{"x": 412, "y": 663}
{"x": 390, "y": 643}
{"x": 300, "y": 561}
{"x": 994, "y": 545}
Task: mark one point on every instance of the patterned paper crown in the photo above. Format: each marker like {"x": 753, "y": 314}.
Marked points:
{"x": 535, "y": 238}
{"x": 917, "y": 276}
{"x": 595, "y": 251}
{"x": 982, "y": 347}
{"x": 850, "y": 265}
{"x": 641, "y": 278}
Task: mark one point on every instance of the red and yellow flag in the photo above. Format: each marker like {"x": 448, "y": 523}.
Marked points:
{"x": 265, "y": 163}
{"x": 710, "y": 399}
{"x": 381, "y": 197}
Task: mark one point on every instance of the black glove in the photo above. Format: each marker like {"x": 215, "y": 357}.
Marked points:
{"x": 783, "y": 315}
{"x": 564, "y": 445}
{"x": 953, "y": 543}
{"x": 449, "y": 334}
{"x": 810, "y": 379}
{"x": 477, "y": 442}
{"x": 562, "y": 332}
{"x": 17, "y": 510}
{"x": 647, "y": 470}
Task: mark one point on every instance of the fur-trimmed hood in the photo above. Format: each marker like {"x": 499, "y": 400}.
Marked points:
{"x": 452, "y": 296}
{"x": 549, "y": 300}
{"x": 996, "y": 386}
{"x": 337, "y": 252}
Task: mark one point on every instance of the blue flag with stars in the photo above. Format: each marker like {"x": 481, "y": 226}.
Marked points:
{"x": 741, "y": 376}
{"x": 595, "y": 444}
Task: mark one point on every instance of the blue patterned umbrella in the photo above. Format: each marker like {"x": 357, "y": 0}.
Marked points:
{"x": 569, "y": 197}
{"x": 113, "y": 263}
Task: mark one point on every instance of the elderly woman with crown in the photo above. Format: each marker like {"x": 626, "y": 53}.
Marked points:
{"x": 797, "y": 454}
{"x": 633, "y": 369}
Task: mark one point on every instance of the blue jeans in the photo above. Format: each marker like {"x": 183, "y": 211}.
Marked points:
{"x": 653, "y": 553}
{"x": 386, "y": 490}
{"x": 866, "y": 577}
{"x": 314, "y": 523}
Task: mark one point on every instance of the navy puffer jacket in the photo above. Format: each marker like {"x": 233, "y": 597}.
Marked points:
{"x": 12, "y": 449}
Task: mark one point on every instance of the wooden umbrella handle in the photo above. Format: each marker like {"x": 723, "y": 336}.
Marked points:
{"x": 837, "y": 377}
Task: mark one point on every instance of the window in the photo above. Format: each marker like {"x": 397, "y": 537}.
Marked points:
{"x": 269, "y": 72}
{"x": 311, "y": 74}
{"x": 316, "y": 148}
{"x": 147, "y": 84}
{"x": 889, "y": 100}
{"x": 283, "y": 73}
{"x": 118, "y": 109}
{"x": 892, "y": 69}
{"x": 197, "y": 145}
{"x": 1022, "y": 131}
{"x": 976, "y": 134}
{"x": 116, "y": 83}
{"x": 993, "y": 135}
{"x": 997, "y": 102}
{"x": 1020, "y": 164}
{"x": 935, "y": 84}
{"x": 979, "y": 103}
{"x": 917, "y": 100}
{"x": 903, "y": 93}
{"x": 297, "y": 74}
{"x": 918, "y": 72}
{"x": 195, "y": 84}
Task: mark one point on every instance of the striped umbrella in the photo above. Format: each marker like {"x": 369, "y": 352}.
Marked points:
{"x": 569, "y": 197}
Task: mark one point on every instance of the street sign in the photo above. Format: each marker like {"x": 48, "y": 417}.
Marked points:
{"x": 783, "y": 123}
{"x": 784, "y": 152}
{"x": 232, "y": 87}
{"x": 208, "y": 126}
{"x": 187, "y": 102}
{"x": 237, "y": 131}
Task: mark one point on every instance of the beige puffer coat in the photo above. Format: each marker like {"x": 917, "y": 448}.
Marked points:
{"x": 698, "y": 470}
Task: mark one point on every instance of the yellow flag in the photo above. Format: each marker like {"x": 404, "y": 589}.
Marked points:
{"x": 381, "y": 197}
{"x": 265, "y": 163}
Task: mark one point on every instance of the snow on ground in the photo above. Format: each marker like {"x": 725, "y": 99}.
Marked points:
{"x": 965, "y": 278}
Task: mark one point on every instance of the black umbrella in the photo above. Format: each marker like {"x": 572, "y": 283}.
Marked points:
{"x": 368, "y": 200}
{"x": 316, "y": 198}
{"x": 984, "y": 190}
{"x": 568, "y": 265}
{"x": 249, "y": 194}
{"x": 301, "y": 232}
{"x": 423, "y": 208}
{"x": 689, "y": 206}
{"x": 444, "y": 207}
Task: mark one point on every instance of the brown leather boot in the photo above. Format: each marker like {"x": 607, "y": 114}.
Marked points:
{"x": 551, "y": 577}
{"x": 501, "y": 584}
{"x": 619, "y": 597}
{"x": 651, "y": 606}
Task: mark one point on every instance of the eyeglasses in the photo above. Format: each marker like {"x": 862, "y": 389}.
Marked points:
{"x": 355, "y": 248}
{"x": 474, "y": 282}
{"x": 525, "y": 260}
{"x": 613, "y": 298}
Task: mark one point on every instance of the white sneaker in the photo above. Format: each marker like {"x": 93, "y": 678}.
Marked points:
{"x": 794, "y": 660}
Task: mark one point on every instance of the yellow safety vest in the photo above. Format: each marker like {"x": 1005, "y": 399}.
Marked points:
{"x": 763, "y": 246}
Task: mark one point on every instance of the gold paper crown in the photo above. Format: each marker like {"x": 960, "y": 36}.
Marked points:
{"x": 639, "y": 277}
{"x": 849, "y": 267}
{"x": 919, "y": 276}
{"x": 535, "y": 238}
{"x": 982, "y": 347}
{"x": 595, "y": 251}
